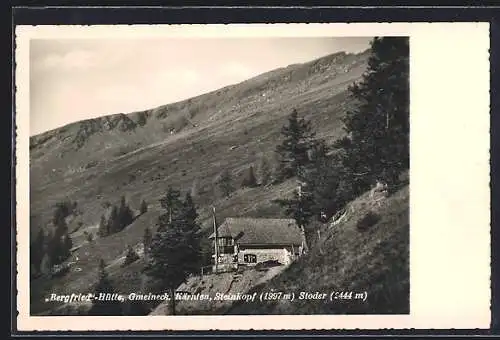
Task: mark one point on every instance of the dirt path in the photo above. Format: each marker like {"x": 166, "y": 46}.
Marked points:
{"x": 272, "y": 272}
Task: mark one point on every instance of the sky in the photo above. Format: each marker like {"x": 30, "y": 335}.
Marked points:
{"x": 76, "y": 79}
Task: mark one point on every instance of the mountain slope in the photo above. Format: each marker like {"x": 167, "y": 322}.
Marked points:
{"x": 106, "y": 155}
{"x": 344, "y": 259}
{"x": 347, "y": 260}
{"x": 186, "y": 145}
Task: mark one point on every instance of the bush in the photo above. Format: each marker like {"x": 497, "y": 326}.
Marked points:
{"x": 144, "y": 207}
{"x": 131, "y": 257}
{"x": 367, "y": 221}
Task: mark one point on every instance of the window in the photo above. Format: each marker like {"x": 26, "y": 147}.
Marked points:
{"x": 250, "y": 258}
{"x": 225, "y": 242}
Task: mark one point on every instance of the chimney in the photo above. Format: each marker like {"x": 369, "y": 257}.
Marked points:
{"x": 216, "y": 244}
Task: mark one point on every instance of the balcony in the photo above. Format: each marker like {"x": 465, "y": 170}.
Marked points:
{"x": 226, "y": 249}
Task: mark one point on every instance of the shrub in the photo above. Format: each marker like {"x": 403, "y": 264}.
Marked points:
{"x": 90, "y": 237}
{"x": 131, "y": 257}
{"x": 367, "y": 221}
{"x": 144, "y": 207}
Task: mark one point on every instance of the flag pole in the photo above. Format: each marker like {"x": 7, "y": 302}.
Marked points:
{"x": 216, "y": 245}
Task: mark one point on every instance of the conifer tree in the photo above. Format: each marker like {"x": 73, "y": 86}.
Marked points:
{"x": 249, "y": 180}
{"x": 377, "y": 146}
{"x": 299, "y": 138}
{"x": 301, "y": 208}
{"x": 60, "y": 243}
{"x": 125, "y": 214}
{"x": 101, "y": 306}
{"x": 191, "y": 234}
{"x": 113, "y": 221}
{"x": 175, "y": 249}
{"x": 144, "y": 207}
{"x": 45, "y": 265}
{"x": 146, "y": 241}
{"x": 171, "y": 203}
{"x": 195, "y": 187}
{"x": 264, "y": 171}
{"x": 226, "y": 183}
{"x": 103, "y": 230}
{"x": 189, "y": 210}
{"x": 37, "y": 250}
{"x": 67, "y": 245}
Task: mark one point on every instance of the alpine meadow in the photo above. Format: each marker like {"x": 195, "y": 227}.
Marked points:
{"x": 291, "y": 187}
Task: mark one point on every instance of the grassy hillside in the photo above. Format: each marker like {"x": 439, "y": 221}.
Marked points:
{"x": 182, "y": 144}
{"x": 97, "y": 160}
{"x": 348, "y": 259}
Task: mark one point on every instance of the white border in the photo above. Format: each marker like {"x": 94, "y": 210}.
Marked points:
{"x": 450, "y": 197}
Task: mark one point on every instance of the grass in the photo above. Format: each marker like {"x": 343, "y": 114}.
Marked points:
{"x": 141, "y": 163}
{"x": 345, "y": 259}
{"x": 367, "y": 221}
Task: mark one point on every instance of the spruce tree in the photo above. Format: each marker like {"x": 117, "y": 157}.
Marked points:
{"x": 324, "y": 177}
{"x": 46, "y": 264}
{"x": 38, "y": 250}
{"x": 113, "y": 221}
{"x": 249, "y": 180}
{"x": 144, "y": 207}
{"x": 377, "y": 146}
{"x": 146, "y": 241}
{"x": 195, "y": 187}
{"x": 293, "y": 152}
{"x": 191, "y": 235}
{"x": 125, "y": 214}
{"x": 60, "y": 243}
{"x": 175, "y": 247}
{"x": 67, "y": 245}
{"x": 99, "y": 305}
{"x": 189, "y": 210}
{"x": 103, "y": 227}
{"x": 301, "y": 208}
{"x": 264, "y": 171}
{"x": 226, "y": 183}
{"x": 171, "y": 203}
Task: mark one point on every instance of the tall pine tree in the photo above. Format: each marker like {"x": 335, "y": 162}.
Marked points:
{"x": 60, "y": 244}
{"x": 377, "y": 146}
{"x": 299, "y": 138}
{"x": 171, "y": 203}
{"x": 144, "y": 207}
{"x": 103, "y": 230}
{"x": 175, "y": 248}
{"x": 301, "y": 208}
{"x": 249, "y": 180}
{"x": 113, "y": 221}
{"x": 125, "y": 214}
{"x": 37, "y": 250}
{"x": 146, "y": 241}
{"x": 264, "y": 171}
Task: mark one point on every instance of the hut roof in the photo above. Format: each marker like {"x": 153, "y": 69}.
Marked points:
{"x": 260, "y": 231}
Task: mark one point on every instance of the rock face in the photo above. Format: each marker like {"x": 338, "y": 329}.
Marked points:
{"x": 266, "y": 87}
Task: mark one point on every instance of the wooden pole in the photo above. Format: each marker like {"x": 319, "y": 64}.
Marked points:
{"x": 302, "y": 228}
{"x": 216, "y": 245}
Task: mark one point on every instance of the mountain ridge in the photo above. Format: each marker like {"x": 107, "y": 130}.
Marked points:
{"x": 186, "y": 145}
{"x": 134, "y": 118}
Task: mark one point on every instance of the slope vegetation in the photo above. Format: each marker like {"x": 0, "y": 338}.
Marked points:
{"x": 186, "y": 145}
{"x": 351, "y": 260}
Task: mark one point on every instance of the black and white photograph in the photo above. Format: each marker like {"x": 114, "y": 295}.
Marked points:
{"x": 251, "y": 177}
{"x": 219, "y": 176}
